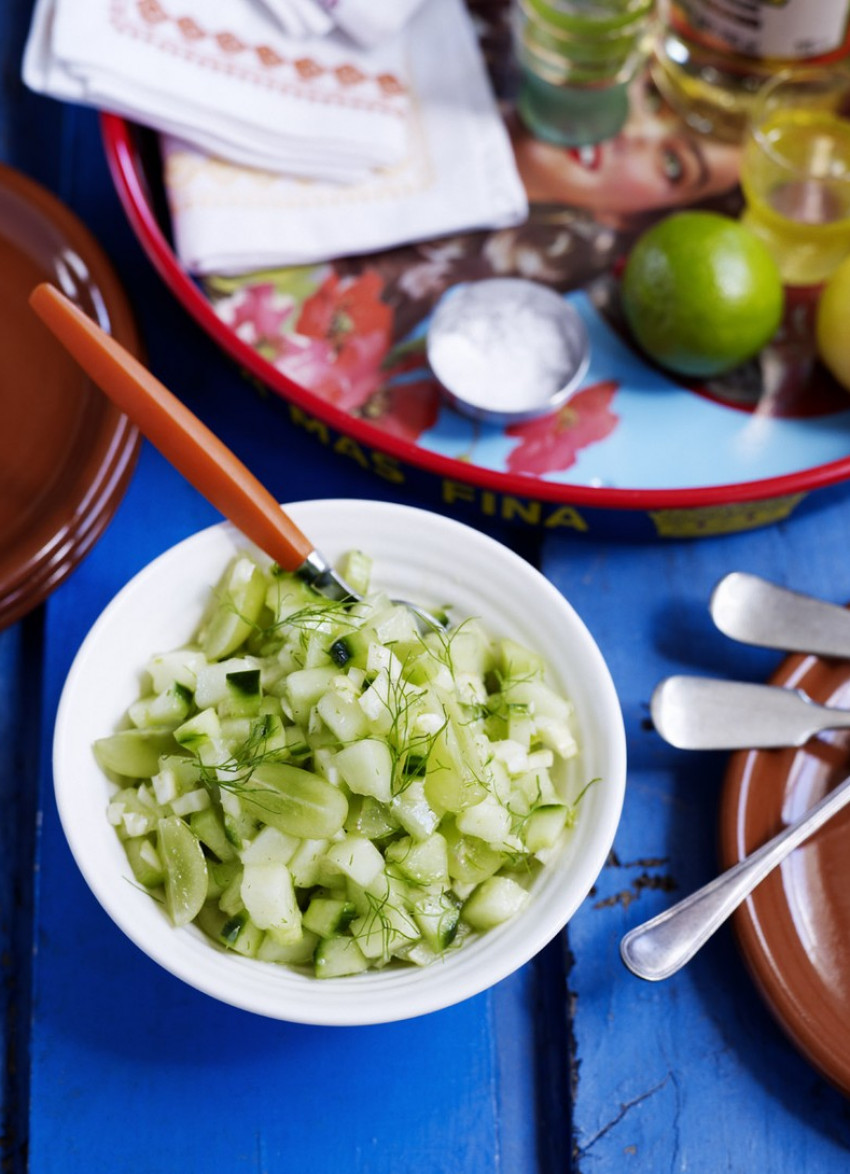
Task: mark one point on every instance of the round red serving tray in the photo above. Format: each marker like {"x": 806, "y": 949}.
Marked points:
{"x": 653, "y": 441}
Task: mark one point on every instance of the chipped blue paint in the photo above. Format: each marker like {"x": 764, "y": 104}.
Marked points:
{"x": 691, "y": 1074}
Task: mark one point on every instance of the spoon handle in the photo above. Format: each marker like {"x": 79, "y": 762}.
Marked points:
{"x": 661, "y": 946}
{"x": 704, "y": 713}
{"x": 756, "y": 611}
{"x": 178, "y": 434}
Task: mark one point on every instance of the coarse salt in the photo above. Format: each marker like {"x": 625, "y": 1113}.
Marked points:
{"x": 505, "y": 345}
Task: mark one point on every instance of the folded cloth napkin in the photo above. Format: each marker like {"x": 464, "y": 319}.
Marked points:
{"x": 365, "y": 21}
{"x": 221, "y": 74}
{"x": 459, "y": 174}
{"x": 300, "y": 18}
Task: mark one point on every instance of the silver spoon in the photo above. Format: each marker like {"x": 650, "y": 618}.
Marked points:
{"x": 662, "y": 945}
{"x": 702, "y": 713}
{"x": 755, "y": 611}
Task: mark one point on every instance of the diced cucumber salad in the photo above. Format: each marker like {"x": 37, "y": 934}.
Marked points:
{"x": 323, "y": 785}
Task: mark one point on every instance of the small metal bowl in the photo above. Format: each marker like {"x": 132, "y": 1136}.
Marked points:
{"x": 506, "y": 349}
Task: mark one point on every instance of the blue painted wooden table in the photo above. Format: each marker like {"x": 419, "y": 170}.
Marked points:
{"x": 571, "y": 1065}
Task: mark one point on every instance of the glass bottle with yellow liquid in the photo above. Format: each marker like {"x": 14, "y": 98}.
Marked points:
{"x": 711, "y": 57}
{"x": 795, "y": 172}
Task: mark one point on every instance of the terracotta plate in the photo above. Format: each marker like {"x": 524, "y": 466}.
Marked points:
{"x": 795, "y": 929}
{"x": 66, "y": 454}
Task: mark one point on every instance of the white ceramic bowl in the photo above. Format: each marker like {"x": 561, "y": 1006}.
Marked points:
{"x": 417, "y": 555}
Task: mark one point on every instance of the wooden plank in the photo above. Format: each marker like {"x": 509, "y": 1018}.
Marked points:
{"x": 10, "y": 787}
{"x": 20, "y": 683}
{"x": 690, "y": 1074}
{"x": 22, "y": 110}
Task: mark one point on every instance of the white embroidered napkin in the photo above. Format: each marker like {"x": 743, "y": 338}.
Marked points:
{"x": 370, "y": 21}
{"x": 221, "y": 74}
{"x": 365, "y": 21}
{"x": 300, "y": 18}
{"x": 459, "y": 174}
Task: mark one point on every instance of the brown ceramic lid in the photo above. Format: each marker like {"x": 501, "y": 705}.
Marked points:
{"x": 66, "y": 454}
{"x": 794, "y": 931}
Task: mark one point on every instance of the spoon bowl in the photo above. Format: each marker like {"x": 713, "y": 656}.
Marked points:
{"x": 755, "y": 611}
{"x": 702, "y": 713}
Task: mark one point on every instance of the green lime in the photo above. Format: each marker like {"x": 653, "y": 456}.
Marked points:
{"x": 701, "y": 293}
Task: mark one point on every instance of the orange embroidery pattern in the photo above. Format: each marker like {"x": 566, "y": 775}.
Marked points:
{"x": 229, "y": 50}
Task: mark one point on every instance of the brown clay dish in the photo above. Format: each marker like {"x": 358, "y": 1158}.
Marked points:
{"x": 66, "y": 454}
{"x": 794, "y": 930}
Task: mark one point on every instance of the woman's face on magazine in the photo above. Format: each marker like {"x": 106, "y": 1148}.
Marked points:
{"x": 654, "y": 162}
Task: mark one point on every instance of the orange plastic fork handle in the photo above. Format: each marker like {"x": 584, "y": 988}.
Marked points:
{"x": 178, "y": 434}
